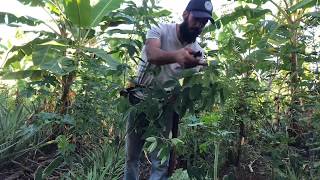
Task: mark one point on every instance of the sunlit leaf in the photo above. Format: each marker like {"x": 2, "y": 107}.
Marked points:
{"x": 152, "y": 146}
{"x": 13, "y": 20}
{"x": 105, "y": 56}
{"x": 22, "y": 74}
{"x": 176, "y": 141}
{"x": 79, "y": 12}
{"x": 52, "y": 166}
{"x": 33, "y": 2}
{"x": 151, "y": 139}
{"x": 102, "y": 8}
{"x": 53, "y": 59}
{"x": 243, "y": 11}
{"x": 257, "y": 2}
{"x": 302, "y": 4}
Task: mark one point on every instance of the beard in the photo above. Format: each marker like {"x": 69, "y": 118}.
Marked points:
{"x": 188, "y": 35}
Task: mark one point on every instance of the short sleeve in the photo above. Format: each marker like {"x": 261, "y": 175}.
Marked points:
{"x": 154, "y": 33}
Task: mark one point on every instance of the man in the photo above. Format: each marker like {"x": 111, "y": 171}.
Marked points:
{"x": 170, "y": 48}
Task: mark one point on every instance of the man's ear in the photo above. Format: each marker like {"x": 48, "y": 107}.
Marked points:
{"x": 185, "y": 15}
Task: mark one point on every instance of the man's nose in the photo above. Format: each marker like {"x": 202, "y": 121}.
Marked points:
{"x": 199, "y": 25}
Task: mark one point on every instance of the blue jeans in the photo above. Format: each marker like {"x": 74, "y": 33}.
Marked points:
{"x": 134, "y": 145}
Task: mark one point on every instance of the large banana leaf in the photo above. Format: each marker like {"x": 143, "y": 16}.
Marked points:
{"x": 15, "y": 58}
{"x": 12, "y": 20}
{"x": 78, "y": 11}
{"x": 20, "y": 52}
{"x": 33, "y": 2}
{"x": 23, "y": 74}
{"x": 52, "y": 58}
{"x": 102, "y": 8}
{"x": 84, "y": 14}
{"x": 45, "y": 57}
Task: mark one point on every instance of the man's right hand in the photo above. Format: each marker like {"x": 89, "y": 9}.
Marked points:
{"x": 185, "y": 57}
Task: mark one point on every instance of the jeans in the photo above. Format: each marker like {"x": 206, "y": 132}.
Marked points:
{"x": 134, "y": 145}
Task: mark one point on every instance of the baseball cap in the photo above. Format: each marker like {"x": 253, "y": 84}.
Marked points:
{"x": 201, "y": 9}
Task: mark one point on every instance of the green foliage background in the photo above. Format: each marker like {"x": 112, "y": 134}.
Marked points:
{"x": 252, "y": 113}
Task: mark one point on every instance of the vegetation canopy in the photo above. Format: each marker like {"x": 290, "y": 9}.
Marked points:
{"x": 253, "y": 113}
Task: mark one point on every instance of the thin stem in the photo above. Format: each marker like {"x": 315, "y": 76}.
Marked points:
{"x": 52, "y": 19}
{"x": 282, "y": 11}
{"x": 286, "y": 3}
{"x": 63, "y": 15}
{"x": 216, "y": 159}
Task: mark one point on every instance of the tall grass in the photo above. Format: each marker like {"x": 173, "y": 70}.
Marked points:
{"x": 12, "y": 128}
{"x": 99, "y": 163}
{"x": 17, "y": 136}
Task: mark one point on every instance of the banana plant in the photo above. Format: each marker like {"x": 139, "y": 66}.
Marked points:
{"x": 55, "y": 56}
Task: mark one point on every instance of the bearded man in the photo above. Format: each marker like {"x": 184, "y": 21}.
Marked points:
{"x": 170, "y": 48}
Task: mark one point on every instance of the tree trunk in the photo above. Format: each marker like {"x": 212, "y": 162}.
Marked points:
{"x": 240, "y": 142}
{"x": 294, "y": 82}
{"x": 65, "y": 100}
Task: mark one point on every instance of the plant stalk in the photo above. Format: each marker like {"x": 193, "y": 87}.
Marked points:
{"x": 216, "y": 159}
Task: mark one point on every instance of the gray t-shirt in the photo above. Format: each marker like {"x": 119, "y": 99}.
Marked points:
{"x": 169, "y": 42}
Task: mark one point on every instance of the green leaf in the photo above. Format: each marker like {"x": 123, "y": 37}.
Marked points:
{"x": 53, "y": 43}
{"x": 176, "y": 141}
{"x": 38, "y": 173}
{"x": 21, "y": 51}
{"x": 121, "y": 31}
{"x": 33, "y": 2}
{"x": 152, "y": 146}
{"x": 48, "y": 116}
{"x": 68, "y": 120}
{"x": 102, "y": 8}
{"x": 180, "y": 174}
{"x": 51, "y": 58}
{"x": 160, "y": 13}
{"x": 302, "y": 5}
{"x": 105, "y": 56}
{"x": 65, "y": 148}
{"x": 151, "y": 139}
{"x": 163, "y": 160}
{"x": 15, "y": 58}
{"x": 257, "y": 2}
{"x": 259, "y": 55}
{"x": 12, "y": 20}
{"x": 52, "y": 166}
{"x": 243, "y": 11}
{"x": 41, "y": 54}
{"x": 119, "y": 16}
{"x": 78, "y": 11}
{"x": 22, "y": 74}
{"x": 313, "y": 14}
{"x": 159, "y": 152}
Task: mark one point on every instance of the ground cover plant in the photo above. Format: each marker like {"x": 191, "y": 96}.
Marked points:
{"x": 253, "y": 113}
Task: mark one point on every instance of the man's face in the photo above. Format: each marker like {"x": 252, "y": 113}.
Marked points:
{"x": 191, "y": 27}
